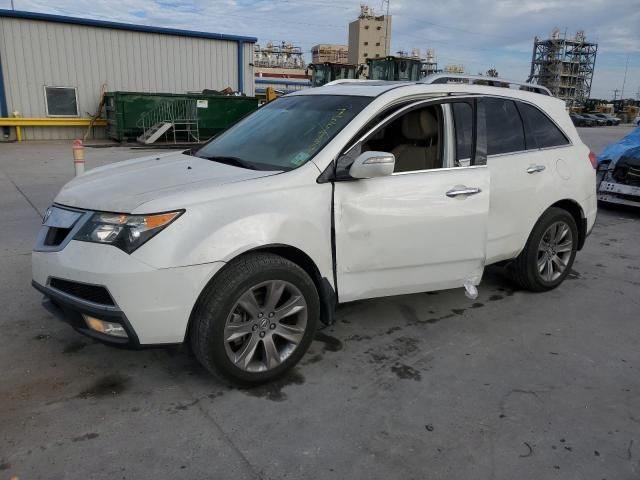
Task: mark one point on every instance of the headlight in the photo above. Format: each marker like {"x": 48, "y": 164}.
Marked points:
{"x": 127, "y": 232}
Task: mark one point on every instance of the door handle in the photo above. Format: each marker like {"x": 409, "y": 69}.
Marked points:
{"x": 535, "y": 168}
{"x": 455, "y": 191}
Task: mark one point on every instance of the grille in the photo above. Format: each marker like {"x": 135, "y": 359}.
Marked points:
{"x": 90, "y": 293}
{"x": 627, "y": 174}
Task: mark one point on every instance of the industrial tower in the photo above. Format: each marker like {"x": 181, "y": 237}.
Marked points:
{"x": 564, "y": 66}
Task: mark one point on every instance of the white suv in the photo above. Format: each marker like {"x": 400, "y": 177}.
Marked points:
{"x": 324, "y": 196}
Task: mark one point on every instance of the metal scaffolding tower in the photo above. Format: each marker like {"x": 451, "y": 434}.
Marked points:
{"x": 285, "y": 55}
{"x": 564, "y": 66}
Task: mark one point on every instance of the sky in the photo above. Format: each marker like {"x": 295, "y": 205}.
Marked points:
{"x": 480, "y": 34}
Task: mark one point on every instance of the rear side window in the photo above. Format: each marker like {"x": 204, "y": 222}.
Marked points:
{"x": 540, "y": 131}
{"x": 463, "y": 124}
{"x": 504, "y": 129}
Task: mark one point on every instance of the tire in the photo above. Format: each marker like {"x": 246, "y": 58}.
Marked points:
{"x": 252, "y": 302}
{"x": 537, "y": 267}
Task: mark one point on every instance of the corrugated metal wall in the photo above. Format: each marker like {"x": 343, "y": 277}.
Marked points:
{"x": 35, "y": 54}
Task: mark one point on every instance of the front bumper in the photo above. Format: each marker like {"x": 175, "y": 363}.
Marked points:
{"x": 153, "y": 305}
{"x": 619, "y": 193}
{"x": 71, "y": 311}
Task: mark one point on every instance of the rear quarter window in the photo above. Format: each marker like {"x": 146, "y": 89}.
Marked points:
{"x": 504, "y": 129}
{"x": 540, "y": 131}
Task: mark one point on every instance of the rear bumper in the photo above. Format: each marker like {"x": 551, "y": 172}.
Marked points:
{"x": 590, "y": 209}
{"x": 153, "y": 305}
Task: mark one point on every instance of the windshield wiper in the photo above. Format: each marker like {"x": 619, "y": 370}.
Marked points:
{"x": 235, "y": 161}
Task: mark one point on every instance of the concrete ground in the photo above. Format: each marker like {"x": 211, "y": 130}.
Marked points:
{"x": 511, "y": 385}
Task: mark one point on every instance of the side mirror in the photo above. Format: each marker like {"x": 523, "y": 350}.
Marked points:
{"x": 373, "y": 164}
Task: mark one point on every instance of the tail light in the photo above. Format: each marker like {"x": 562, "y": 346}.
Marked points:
{"x": 593, "y": 160}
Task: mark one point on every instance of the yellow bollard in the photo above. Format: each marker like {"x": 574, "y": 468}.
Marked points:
{"x": 18, "y": 128}
{"x": 78, "y": 156}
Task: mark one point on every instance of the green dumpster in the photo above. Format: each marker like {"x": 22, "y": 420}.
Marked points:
{"x": 215, "y": 112}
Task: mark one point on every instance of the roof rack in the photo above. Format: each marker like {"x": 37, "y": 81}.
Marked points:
{"x": 344, "y": 81}
{"x": 480, "y": 80}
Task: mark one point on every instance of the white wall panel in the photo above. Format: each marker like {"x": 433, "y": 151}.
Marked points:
{"x": 36, "y": 53}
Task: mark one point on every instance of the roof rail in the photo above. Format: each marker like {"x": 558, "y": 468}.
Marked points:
{"x": 344, "y": 81}
{"x": 480, "y": 80}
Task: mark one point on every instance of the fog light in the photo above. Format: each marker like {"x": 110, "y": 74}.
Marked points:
{"x": 108, "y": 328}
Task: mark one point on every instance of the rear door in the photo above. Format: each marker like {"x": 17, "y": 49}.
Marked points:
{"x": 415, "y": 230}
{"x": 517, "y": 141}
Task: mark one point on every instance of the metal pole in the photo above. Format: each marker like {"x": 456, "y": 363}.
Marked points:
{"x": 624, "y": 81}
{"x": 533, "y": 61}
{"x": 386, "y": 28}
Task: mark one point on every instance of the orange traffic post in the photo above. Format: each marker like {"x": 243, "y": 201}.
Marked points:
{"x": 78, "y": 156}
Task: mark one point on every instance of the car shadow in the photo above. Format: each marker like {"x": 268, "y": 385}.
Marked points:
{"x": 364, "y": 329}
{"x": 626, "y": 211}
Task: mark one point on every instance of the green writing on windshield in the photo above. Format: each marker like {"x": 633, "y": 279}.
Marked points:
{"x": 325, "y": 130}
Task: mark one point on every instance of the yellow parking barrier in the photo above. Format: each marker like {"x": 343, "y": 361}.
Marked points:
{"x": 19, "y": 122}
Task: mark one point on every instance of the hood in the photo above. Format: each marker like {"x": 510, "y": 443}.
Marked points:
{"x": 123, "y": 186}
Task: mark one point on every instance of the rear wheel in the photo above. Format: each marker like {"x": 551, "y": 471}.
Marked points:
{"x": 256, "y": 319}
{"x": 549, "y": 253}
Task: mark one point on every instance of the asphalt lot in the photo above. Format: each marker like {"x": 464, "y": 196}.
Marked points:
{"x": 511, "y": 385}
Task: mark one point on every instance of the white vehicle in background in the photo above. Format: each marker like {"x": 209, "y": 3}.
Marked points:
{"x": 350, "y": 191}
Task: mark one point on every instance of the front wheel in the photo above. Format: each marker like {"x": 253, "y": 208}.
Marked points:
{"x": 256, "y": 319}
{"x": 549, "y": 253}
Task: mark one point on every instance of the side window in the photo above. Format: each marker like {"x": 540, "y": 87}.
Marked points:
{"x": 61, "y": 101}
{"x": 370, "y": 124}
{"x": 463, "y": 126}
{"x": 504, "y": 131}
{"x": 415, "y": 138}
{"x": 540, "y": 132}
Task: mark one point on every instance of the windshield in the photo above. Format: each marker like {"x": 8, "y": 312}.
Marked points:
{"x": 379, "y": 69}
{"x": 344, "y": 72}
{"x": 407, "y": 70}
{"x": 285, "y": 133}
{"x": 320, "y": 75}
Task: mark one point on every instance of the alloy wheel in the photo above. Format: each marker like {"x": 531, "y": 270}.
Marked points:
{"x": 554, "y": 251}
{"x": 266, "y": 324}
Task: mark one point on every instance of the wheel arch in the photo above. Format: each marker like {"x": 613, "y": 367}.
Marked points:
{"x": 326, "y": 292}
{"x": 576, "y": 211}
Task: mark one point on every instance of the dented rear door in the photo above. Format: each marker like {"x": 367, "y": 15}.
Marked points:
{"x": 411, "y": 232}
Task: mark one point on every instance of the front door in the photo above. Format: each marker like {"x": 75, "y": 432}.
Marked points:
{"x": 422, "y": 228}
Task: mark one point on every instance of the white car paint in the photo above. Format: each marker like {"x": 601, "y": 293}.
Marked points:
{"x": 156, "y": 301}
{"x": 124, "y": 186}
{"x": 402, "y": 233}
{"x": 393, "y": 235}
{"x": 518, "y": 198}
